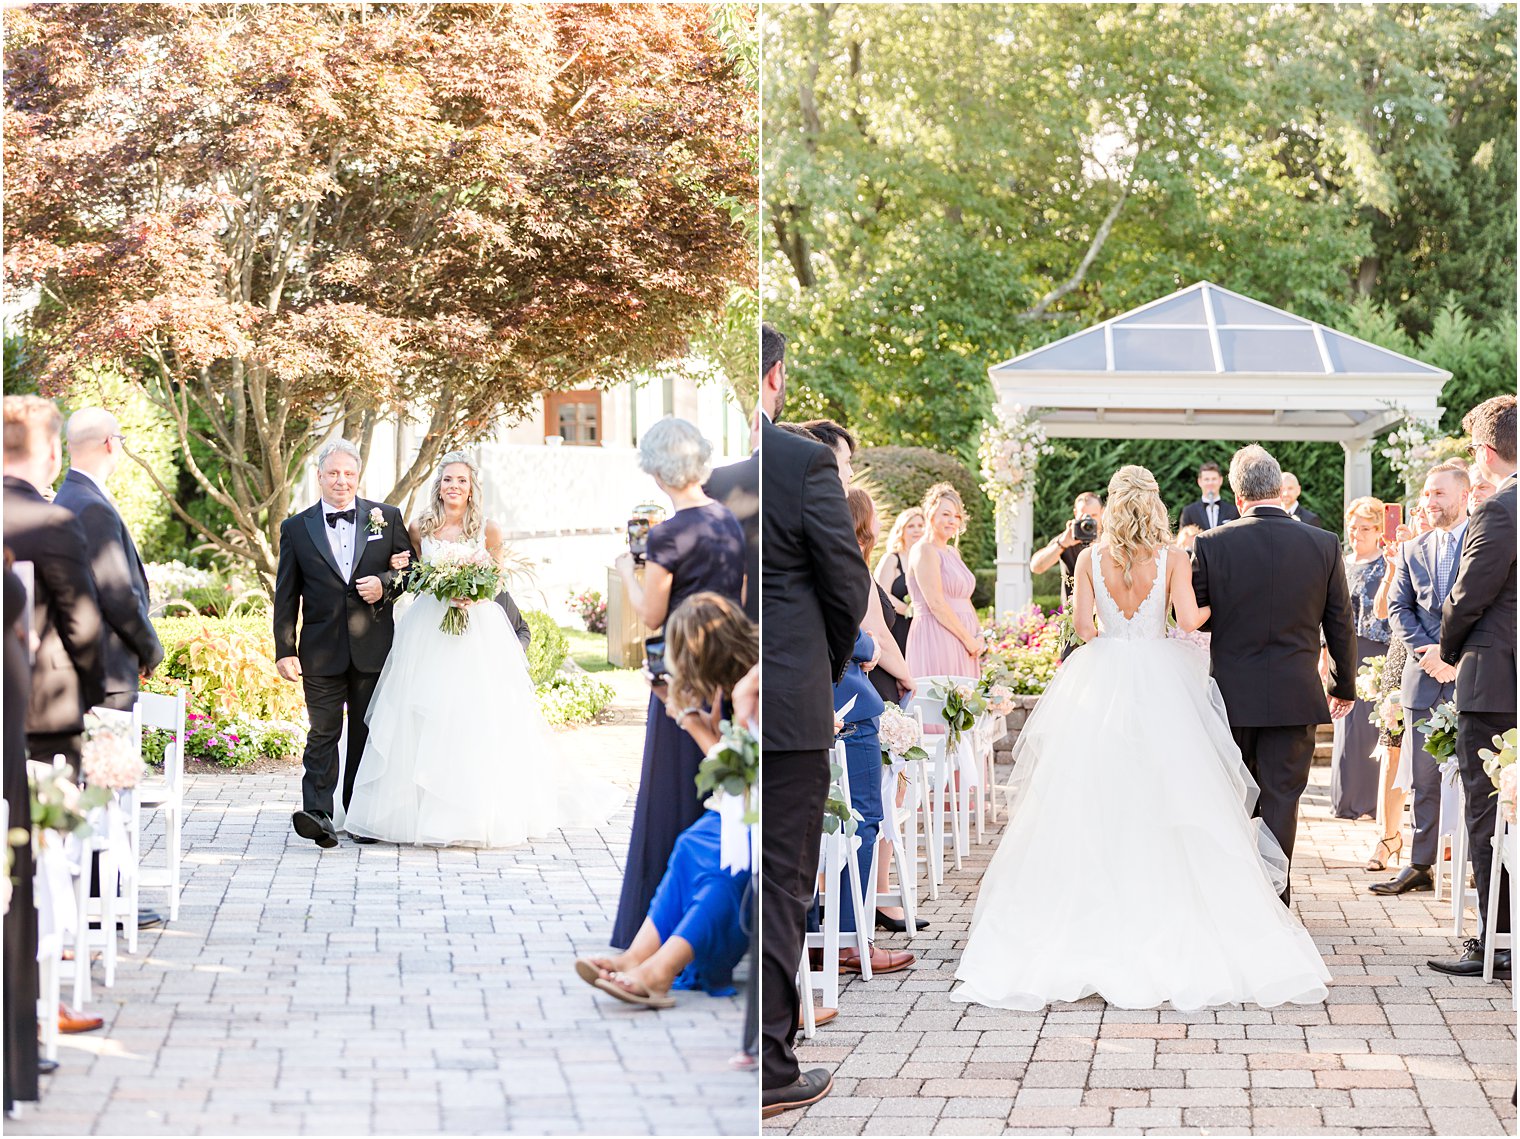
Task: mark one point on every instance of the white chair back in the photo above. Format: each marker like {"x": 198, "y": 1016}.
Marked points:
{"x": 166, "y": 713}
{"x": 167, "y": 795}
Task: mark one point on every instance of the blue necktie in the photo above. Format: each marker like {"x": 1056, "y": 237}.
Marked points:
{"x": 1445, "y": 562}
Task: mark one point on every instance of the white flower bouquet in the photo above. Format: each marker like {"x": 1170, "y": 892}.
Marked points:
{"x": 454, "y": 574}
{"x": 1499, "y": 765}
{"x": 899, "y": 735}
{"x": 110, "y": 755}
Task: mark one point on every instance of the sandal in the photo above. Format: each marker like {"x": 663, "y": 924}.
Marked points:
{"x": 589, "y": 970}
{"x": 614, "y": 985}
{"x": 1386, "y": 850}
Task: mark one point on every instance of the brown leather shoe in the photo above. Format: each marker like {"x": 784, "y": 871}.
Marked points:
{"x": 882, "y": 961}
{"x": 70, "y": 1021}
{"x": 821, "y": 1015}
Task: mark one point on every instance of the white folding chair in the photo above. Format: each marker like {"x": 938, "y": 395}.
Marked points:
{"x": 895, "y": 823}
{"x": 1447, "y": 872}
{"x": 1462, "y": 895}
{"x": 838, "y": 855}
{"x": 949, "y": 791}
{"x": 57, "y": 912}
{"x": 805, "y": 990}
{"x": 91, "y": 852}
{"x": 165, "y": 794}
{"x": 1503, "y": 860}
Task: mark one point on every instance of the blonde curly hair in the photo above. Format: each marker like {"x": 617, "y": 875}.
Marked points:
{"x": 1134, "y": 518}
{"x": 432, "y": 516}
{"x": 1367, "y": 508}
{"x": 936, "y": 494}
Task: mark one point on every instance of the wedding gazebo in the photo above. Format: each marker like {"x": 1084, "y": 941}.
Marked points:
{"x": 1208, "y": 363}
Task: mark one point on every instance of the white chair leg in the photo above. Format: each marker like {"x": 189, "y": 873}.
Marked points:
{"x": 1459, "y": 880}
{"x": 48, "y": 999}
{"x": 832, "y": 868}
{"x": 805, "y": 988}
{"x": 82, "y": 884}
{"x": 110, "y": 882}
{"x": 134, "y": 842}
{"x": 856, "y": 899}
{"x": 1491, "y": 918}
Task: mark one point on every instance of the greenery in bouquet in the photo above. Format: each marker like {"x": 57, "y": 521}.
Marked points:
{"x": 573, "y": 698}
{"x": 456, "y": 573}
{"x": 899, "y": 735}
{"x": 732, "y": 765}
{"x": 1499, "y": 766}
{"x": 963, "y": 704}
{"x": 58, "y": 803}
{"x": 592, "y": 608}
{"x": 1369, "y": 679}
{"x": 1440, "y": 731}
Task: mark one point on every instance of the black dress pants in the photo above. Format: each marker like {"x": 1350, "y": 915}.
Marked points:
{"x": 326, "y": 697}
{"x": 794, "y": 787}
{"x": 1477, "y": 730}
{"x": 1278, "y": 758}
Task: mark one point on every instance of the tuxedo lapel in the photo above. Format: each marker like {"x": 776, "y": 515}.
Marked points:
{"x": 315, "y": 525}
{"x": 361, "y": 535}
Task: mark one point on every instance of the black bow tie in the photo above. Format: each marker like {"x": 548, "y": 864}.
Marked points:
{"x": 343, "y": 515}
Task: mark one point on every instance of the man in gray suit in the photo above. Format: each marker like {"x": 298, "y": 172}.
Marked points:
{"x": 1424, "y": 576}
{"x": 130, "y": 645}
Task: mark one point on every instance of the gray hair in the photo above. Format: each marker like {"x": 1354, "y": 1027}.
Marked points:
{"x": 675, "y": 452}
{"x": 339, "y": 446}
{"x": 1255, "y": 475}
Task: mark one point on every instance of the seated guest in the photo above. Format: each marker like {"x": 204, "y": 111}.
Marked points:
{"x": 694, "y": 933}
{"x": 1291, "y": 491}
{"x": 1211, "y": 510}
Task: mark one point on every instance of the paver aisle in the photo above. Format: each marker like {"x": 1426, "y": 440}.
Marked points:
{"x": 391, "y": 990}
{"x": 1397, "y": 1049}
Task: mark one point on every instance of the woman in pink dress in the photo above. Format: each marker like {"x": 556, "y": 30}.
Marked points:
{"x": 945, "y": 638}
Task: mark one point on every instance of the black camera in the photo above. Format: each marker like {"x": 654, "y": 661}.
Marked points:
{"x": 654, "y": 658}
{"x": 638, "y": 538}
{"x": 1084, "y": 529}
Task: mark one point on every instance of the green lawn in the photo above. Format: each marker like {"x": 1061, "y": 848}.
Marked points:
{"x": 589, "y": 650}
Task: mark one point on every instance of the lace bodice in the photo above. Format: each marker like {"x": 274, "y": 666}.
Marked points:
{"x": 1149, "y": 621}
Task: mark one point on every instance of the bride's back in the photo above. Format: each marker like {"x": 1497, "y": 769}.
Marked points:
{"x": 1136, "y": 608}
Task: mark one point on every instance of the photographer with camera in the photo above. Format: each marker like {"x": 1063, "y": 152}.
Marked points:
{"x": 700, "y": 547}
{"x": 1082, "y": 531}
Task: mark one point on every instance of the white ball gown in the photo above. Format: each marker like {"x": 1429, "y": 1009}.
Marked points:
{"x": 458, "y": 752}
{"x": 1131, "y": 866}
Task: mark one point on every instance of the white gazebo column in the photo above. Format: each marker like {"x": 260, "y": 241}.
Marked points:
{"x": 1015, "y": 544}
{"x": 1358, "y": 468}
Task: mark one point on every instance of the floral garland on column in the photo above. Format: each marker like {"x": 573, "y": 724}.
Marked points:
{"x": 1013, "y": 441}
{"x": 1408, "y": 450}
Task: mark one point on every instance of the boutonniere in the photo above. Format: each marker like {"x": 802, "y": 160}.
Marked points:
{"x": 376, "y": 520}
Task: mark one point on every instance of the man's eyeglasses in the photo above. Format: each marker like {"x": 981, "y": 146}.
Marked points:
{"x": 1472, "y": 449}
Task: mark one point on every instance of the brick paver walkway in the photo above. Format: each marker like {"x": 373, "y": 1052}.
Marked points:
{"x": 1397, "y": 1048}
{"x": 386, "y": 990}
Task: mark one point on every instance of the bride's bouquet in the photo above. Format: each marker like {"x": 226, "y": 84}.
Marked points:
{"x": 456, "y": 573}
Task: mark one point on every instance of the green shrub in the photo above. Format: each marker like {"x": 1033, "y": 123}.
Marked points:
{"x": 897, "y": 478}
{"x": 985, "y": 592}
{"x": 547, "y": 651}
{"x": 574, "y": 698}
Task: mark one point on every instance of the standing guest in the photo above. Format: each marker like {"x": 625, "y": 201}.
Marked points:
{"x": 1296, "y": 509}
{"x": 1425, "y": 573}
{"x": 737, "y": 486}
{"x": 814, "y": 589}
{"x": 699, "y": 548}
{"x": 1211, "y": 510}
{"x": 1354, "y": 773}
{"x": 1482, "y": 488}
{"x": 837, "y": 440}
{"x": 946, "y": 637}
{"x": 890, "y": 677}
{"x": 130, "y": 645}
{"x": 20, "y": 973}
{"x": 892, "y": 570}
{"x": 1067, "y": 546}
{"x": 1478, "y": 636}
{"x": 68, "y": 676}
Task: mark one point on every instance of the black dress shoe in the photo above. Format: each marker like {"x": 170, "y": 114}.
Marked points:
{"x": 46, "y": 1067}
{"x": 810, "y": 1087}
{"x": 897, "y": 925}
{"x": 317, "y": 828}
{"x": 363, "y": 839}
{"x": 1470, "y": 964}
{"x": 1407, "y": 879}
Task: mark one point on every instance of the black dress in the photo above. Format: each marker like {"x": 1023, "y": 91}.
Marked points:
{"x": 882, "y": 680}
{"x": 21, "y": 920}
{"x": 895, "y": 620}
{"x": 703, "y": 548}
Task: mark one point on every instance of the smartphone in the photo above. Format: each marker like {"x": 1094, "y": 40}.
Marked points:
{"x": 1393, "y": 518}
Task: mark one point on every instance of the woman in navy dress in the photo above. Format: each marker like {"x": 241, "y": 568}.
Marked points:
{"x": 700, "y": 547}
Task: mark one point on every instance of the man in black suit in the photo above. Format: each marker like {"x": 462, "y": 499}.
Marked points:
{"x": 68, "y": 677}
{"x": 814, "y": 590}
{"x": 335, "y": 575}
{"x": 515, "y": 618}
{"x": 1478, "y": 636}
{"x": 130, "y": 645}
{"x": 1290, "y": 492}
{"x": 737, "y": 486}
{"x": 1211, "y": 510}
{"x": 1274, "y": 586}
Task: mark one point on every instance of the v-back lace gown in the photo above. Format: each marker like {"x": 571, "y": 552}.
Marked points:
{"x": 1131, "y": 866}
{"x": 458, "y": 752}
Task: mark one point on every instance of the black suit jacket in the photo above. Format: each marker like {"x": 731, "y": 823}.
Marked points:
{"x": 130, "y": 644}
{"x": 814, "y": 590}
{"x": 339, "y": 629}
{"x": 1274, "y": 585}
{"x": 1196, "y": 514}
{"x": 737, "y": 486}
{"x": 1308, "y": 516}
{"x": 68, "y": 677}
{"x": 1478, "y": 619}
{"x": 515, "y": 619}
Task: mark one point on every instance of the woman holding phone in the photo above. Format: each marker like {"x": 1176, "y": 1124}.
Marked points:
{"x": 1355, "y": 783}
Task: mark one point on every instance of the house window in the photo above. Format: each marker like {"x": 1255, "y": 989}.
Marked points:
{"x": 574, "y": 416}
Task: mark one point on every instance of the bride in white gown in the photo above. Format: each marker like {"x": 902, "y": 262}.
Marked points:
{"x": 458, "y": 751}
{"x": 1131, "y": 866}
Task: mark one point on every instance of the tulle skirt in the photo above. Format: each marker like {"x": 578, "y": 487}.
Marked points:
{"x": 458, "y": 752}
{"x": 1131, "y": 866}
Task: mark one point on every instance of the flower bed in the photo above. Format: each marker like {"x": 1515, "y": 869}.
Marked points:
{"x": 1024, "y": 649}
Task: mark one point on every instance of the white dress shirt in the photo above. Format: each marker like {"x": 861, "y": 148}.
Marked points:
{"x": 1211, "y": 509}
{"x": 340, "y": 538}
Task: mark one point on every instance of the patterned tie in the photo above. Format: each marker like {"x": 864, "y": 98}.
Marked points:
{"x": 1445, "y": 562}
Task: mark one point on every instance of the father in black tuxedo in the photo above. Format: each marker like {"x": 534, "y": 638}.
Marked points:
{"x": 1274, "y": 585}
{"x": 1478, "y": 636}
{"x": 1211, "y": 510}
{"x": 130, "y": 645}
{"x": 814, "y": 590}
{"x": 335, "y": 575}
{"x": 67, "y": 676}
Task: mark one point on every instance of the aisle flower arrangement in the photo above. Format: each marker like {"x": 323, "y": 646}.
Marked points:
{"x": 1440, "y": 731}
{"x": 900, "y": 736}
{"x": 110, "y": 757}
{"x": 1499, "y": 766}
{"x": 1024, "y": 650}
